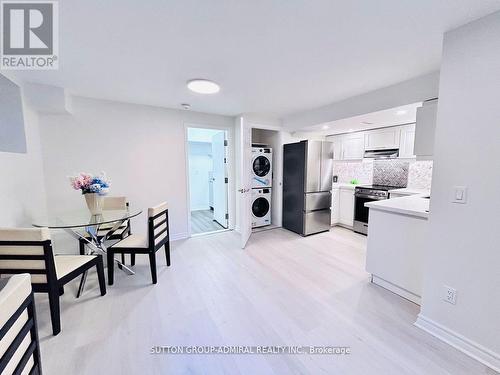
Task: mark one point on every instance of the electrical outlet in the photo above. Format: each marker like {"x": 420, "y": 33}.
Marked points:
{"x": 449, "y": 294}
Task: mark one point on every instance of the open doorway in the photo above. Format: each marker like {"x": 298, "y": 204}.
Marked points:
{"x": 266, "y": 179}
{"x": 208, "y": 188}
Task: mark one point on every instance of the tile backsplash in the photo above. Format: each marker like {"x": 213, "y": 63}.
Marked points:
{"x": 418, "y": 173}
{"x": 354, "y": 170}
{"x": 392, "y": 172}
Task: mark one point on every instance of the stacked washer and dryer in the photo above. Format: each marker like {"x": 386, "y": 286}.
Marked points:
{"x": 262, "y": 179}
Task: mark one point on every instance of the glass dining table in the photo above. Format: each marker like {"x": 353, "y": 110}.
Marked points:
{"x": 82, "y": 225}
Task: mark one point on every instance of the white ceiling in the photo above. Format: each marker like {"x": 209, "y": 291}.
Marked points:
{"x": 271, "y": 57}
{"x": 405, "y": 114}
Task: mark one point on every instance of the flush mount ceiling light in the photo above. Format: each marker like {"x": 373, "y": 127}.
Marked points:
{"x": 324, "y": 127}
{"x": 203, "y": 86}
{"x": 401, "y": 112}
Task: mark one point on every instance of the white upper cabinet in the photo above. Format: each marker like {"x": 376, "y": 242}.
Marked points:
{"x": 353, "y": 146}
{"x": 337, "y": 146}
{"x": 382, "y": 139}
{"x": 347, "y": 146}
{"x": 425, "y": 130}
{"x": 407, "y": 141}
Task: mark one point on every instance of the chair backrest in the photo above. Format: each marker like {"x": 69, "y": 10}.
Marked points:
{"x": 19, "y": 346}
{"x": 158, "y": 225}
{"x": 114, "y": 203}
{"x": 27, "y": 250}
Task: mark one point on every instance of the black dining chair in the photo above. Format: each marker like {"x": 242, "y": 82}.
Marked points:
{"x": 30, "y": 251}
{"x": 158, "y": 237}
{"x": 19, "y": 344}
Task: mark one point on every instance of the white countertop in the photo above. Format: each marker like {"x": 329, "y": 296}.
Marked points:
{"x": 413, "y": 205}
{"x": 410, "y": 191}
{"x": 338, "y": 185}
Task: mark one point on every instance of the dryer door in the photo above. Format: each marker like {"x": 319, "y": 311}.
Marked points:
{"x": 261, "y": 166}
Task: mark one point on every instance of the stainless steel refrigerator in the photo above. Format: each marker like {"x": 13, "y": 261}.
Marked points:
{"x": 307, "y": 185}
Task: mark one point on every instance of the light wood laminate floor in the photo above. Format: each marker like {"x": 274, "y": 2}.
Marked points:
{"x": 202, "y": 221}
{"x": 282, "y": 290}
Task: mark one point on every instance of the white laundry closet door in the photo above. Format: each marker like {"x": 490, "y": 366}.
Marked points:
{"x": 245, "y": 189}
{"x": 219, "y": 178}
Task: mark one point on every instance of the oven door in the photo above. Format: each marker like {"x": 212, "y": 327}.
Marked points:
{"x": 360, "y": 211}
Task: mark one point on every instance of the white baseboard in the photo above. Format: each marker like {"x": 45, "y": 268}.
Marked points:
{"x": 396, "y": 289}
{"x": 342, "y": 226}
{"x": 179, "y": 236}
{"x": 200, "y": 208}
{"x": 469, "y": 347}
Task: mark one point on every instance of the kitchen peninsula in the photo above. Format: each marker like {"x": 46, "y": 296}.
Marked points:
{"x": 396, "y": 239}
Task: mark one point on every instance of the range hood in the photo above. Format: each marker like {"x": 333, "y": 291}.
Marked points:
{"x": 388, "y": 153}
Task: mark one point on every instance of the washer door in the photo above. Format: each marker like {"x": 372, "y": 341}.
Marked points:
{"x": 261, "y": 166}
{"x": 260, "y": 207}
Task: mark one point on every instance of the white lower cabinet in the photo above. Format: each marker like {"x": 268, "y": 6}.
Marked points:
{"x": 335, "y": 206}
{"x": 346, "y": 207}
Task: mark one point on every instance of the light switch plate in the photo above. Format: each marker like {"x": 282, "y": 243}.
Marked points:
{"x": 459, "y": 194}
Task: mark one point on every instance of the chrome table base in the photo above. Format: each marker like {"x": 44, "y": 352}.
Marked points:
{"x": 96, "y": 245}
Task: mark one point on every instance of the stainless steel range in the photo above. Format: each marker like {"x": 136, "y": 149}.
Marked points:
{"x": 362, "y": 195}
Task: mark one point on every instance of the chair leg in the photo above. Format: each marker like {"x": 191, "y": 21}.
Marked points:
{"x": 152, "y": 264}
{"x": 82, "y": 246}
{"x": 167, "y": 252}
{"x": 132, "y": 259}
{"x": 100, "y": 275}
{"x": 111, "y": 267}
{"x": 123, "y": 260}
{"x": 55, "y": 311}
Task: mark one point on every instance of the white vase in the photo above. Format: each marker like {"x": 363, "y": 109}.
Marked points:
{"x": 94, "y": 203}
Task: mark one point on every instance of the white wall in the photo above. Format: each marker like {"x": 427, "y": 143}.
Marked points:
{"x": 22, "y": 191}
{"x": 142, "y": 149}
{"x": 464, "y": 247}
{"x": 12, "y": 134}
{"x": 200, "y": 164}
